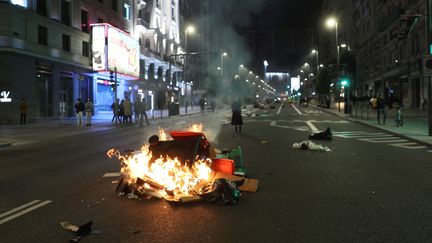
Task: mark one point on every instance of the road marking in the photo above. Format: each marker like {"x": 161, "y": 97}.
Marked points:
{"x": 180, "y": 122}
{"x": 311, "y": 126}
{"x": 296, "y": 109}
{"x": 383, "y": 140}
{"x": 409, "y": 146}
{"x": 112, "y": 174}
{"x": 16, "y": 212}
{"x": 279, "y": 110}
{"x": 272, "y": 123}
{"x": 298, "y": 128}
{"x": 429, "y": 151}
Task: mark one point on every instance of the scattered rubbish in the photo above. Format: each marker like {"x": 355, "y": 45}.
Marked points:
{"x": 309, "y": 145}
{"x": 114, "y": 182}
{"x": 326, "y": 134}
{"x": 184, "y": 169}
{"x": 264, "y": 142}
{"x": 80, "y": 231}
{"x": 373, "y": 192}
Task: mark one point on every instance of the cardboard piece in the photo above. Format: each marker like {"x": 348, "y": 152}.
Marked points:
{"x": 249, "y": 185}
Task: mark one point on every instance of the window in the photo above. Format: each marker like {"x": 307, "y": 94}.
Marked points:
{"x": 41, "y": 7}
{"x": 84, "y": 21}
{"x": 85, "y": 48}
{"x": 173, "y": 12}
{"x": 42, "y": 35}
{"x": 100, "y": 20}
{"x": 22, "y": 3}
{"x": 65, "y": 16}
{"x": 114, "y": 5}
{"x": 158, "y": 4}
{"x": 126, "y": 11}
{"x": 66, "y": 43}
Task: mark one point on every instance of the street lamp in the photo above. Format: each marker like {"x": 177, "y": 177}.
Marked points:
{"x": 315, "y": 52}
{"x": 265, "y": 69}
{"x": 332, "y": 22}
{"x": 189, "y": 29}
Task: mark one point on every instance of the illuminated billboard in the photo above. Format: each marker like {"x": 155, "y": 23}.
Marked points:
{"x": 98, "y": 48}
{"x": 121, "y": 52}
{"x": 295, "y": 84}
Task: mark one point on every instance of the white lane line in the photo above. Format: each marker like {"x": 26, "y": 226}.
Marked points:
{"x": 298, "y": 111}
{"x": 272, "y": 123}
{"x": 311, "y": 126}
{"x": 279, "y": 110}
{"x": 180, "y": 122}
{"x": 408, "y": 145}
{"x": 429, "y": 151}
{"x": 18, "y": 208}
{"x": 112, "y": 174}
{"x": 20, "y": 213}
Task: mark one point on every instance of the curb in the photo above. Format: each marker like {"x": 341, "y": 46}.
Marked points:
{"x": 377, "y": 127}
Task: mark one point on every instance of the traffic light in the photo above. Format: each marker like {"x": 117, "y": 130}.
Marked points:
{"x": 345, "y": 82}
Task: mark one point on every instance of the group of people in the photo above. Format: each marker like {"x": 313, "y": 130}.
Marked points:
{"x": 379, "y": 104}
{"x": 80, "y": 108}
{"x": 123, "y": 111}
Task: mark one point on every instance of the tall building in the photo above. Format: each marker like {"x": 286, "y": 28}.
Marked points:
{"x": 55, "y": 51}
{"x": 388, "y": 41}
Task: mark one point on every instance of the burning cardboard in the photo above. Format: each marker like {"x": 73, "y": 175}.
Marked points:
{"x": 184, "y": 169}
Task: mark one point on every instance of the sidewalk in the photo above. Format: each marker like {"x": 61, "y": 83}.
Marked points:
{"x": 55, "y": 127}
{"x": 415, "y": 121}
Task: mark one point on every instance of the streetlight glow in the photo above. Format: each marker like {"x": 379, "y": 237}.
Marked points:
{"x": 343, "y": 45}
{"x": 314, "y": 51}
{"x": 190, "y": 29}
{"x": 331, "y": 22}
{"x": 225, "y": 54}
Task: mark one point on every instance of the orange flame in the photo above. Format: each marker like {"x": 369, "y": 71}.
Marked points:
{"x": 171, "y": 174}
{"x": 196, "y": 128}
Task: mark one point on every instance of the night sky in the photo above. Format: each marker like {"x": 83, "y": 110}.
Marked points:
{"x": 278, "y": 14}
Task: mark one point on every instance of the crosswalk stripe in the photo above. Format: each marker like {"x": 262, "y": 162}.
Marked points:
{"x": 382, "y": 140}
{"x": 112, "y": 174}
{"x": 20, "y": 213}
{"x": 408, "y": 145}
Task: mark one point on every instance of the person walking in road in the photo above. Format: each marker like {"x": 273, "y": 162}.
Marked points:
{"x": 115, "y": 108}
{"x": 381, "y": 109}
{"x": 23, "y": 110}
{"x": 127, "y": 105}
{"x": 399, "y": 121}
{"x": 202, "y": 104}
{"x": 236, "y": 119}
{"x": 89, "y": 112}
{"x": 79, "y": 109}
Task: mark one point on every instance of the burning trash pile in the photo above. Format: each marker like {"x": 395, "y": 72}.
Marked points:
{"x": 184, "y": 169}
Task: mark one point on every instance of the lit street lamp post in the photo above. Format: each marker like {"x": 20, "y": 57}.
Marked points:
{"x": 189, "y": 29}
{"x": 332, "y": 22}
{"x": 315, "y": 52}
{"x": 223, "y": 54}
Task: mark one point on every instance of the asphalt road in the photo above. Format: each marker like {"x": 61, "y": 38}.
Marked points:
{"x": 372, "y": 187}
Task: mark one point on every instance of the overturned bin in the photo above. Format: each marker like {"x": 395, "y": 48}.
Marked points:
{"x": 184, "y": 169}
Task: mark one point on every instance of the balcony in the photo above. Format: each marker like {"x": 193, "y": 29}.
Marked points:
{"x": 143, "y": 22}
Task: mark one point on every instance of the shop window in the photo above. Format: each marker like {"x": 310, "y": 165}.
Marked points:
{"x": 42, "y": 35}
{"x": 85, "y": 49}
{"x": 66, "y": 43}
{"x": 84, "y": 21}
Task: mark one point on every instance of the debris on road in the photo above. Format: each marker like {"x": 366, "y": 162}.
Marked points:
{"x": 326, "y": 134}
{"x": 184, "y": 169}
{"x": 80, "y": 231}
{"x": 264, "y": 142}
{"x": 309, "y": 145}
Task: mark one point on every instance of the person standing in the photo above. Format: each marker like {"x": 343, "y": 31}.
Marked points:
{"x": 79, "y": 109}
{"x": 381, "y": 109}
{"x": 213, "y": 104}
{"x": 202, "y": 104}
{"x": 127, "y": 106}
{"x": 115, "y": 108}
{"x": 121, "y": 112}
{"x": 89, "y": 112}
{"x": 236, "y": 119}
{"x": 137, "y": 109}
{"x": 23, "y": 110}
{"x": 143, "y": 112}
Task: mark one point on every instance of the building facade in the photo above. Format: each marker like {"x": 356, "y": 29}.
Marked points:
{"x": 55, "y": 51}
{"x": 388, "y": 41}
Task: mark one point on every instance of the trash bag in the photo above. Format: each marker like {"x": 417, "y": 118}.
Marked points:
{"x": 327, "y": 134}
{"x": 221, "y": 191}
{"x": 309, "y": 145}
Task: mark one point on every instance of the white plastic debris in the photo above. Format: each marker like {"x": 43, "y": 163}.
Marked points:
{"x": 309, "y": 145}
